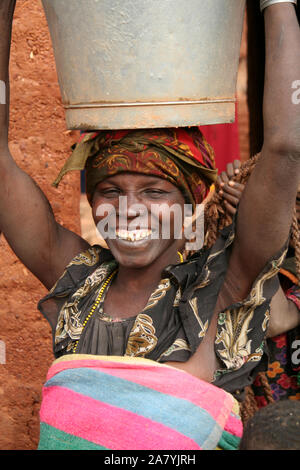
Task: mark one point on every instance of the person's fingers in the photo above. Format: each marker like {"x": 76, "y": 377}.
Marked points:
{"x": 236, "y": 189}
{"x": 232, "y": 193}
{"x": 230, "y": 170}
{"x": 232, "y": 199}
{"x": 230, "y": 208}
{"x": 223, "y": 177}
{"x": 236, "y": 166}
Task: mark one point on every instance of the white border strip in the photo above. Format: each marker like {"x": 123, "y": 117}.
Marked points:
{"x": 2, "y": 92}
{"x": 2, "y": 353}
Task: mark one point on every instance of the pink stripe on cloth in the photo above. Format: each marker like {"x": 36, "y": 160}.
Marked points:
{"x": 68, "y": 411}
{"x": 164, "y": 379}
{"x": 234, "y": 426}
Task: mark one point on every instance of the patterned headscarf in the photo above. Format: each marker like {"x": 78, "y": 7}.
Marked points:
{"x": 181, "y": 156}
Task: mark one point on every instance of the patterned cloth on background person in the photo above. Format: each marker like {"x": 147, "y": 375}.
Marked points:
{"x": 283, "y": 372}
{"x": 181, "y": 156}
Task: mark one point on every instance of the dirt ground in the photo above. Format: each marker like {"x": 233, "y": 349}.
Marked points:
{"x": 40, "y": 144}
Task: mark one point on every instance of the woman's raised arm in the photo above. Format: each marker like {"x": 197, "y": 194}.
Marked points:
{"x": 267, "y": 204}
{"x": 26, "y": 217}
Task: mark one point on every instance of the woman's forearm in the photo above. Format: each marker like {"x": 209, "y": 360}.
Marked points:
{"x": 6, "y": 14}
{"x": 281, "y": 111}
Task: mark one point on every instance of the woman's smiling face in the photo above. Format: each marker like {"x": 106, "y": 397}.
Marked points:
{"x": 143, "y": 216}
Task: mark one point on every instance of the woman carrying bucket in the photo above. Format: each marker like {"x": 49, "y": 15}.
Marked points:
{"x": 141, "y": 329}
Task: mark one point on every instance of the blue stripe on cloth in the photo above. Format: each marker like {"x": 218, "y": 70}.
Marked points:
{"x": 176, "y": 413}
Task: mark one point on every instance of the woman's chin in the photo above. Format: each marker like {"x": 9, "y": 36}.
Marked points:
{"x": 134, "y": 261}
{"x": 136, "y": 254}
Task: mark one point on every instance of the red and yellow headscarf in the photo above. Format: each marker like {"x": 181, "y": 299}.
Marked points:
{"x": 181, "y": 156}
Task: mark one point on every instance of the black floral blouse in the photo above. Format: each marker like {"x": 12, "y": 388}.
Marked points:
{"x": 175, "y": 319}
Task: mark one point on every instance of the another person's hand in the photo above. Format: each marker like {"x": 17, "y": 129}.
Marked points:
{"x": 231, "y": 191}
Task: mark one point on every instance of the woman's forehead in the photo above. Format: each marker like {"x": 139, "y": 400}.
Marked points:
{"x": 138, "y": 179}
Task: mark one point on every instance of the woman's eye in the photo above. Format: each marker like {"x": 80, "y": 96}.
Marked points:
{"x": 155, "y": 193}
{"x": 112, "y": 192}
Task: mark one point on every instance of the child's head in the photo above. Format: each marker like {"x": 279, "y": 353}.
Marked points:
{"x": 274, "y": 427}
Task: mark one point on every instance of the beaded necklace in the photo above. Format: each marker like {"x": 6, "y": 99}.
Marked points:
{"x": 99, "y": 298}
{"x": 95, "y": 305}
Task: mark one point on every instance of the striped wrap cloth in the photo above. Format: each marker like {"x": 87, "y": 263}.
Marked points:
{"x": 123, "y": 403}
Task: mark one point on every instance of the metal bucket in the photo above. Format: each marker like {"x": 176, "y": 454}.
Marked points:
{"x": 125, "y": 64}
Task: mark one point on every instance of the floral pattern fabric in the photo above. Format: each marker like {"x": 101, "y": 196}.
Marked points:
{"x": 284, "y": 362}
{"x": 283, "y": 371}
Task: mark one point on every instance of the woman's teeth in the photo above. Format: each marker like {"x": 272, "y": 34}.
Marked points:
{"x": 133, "y": 235}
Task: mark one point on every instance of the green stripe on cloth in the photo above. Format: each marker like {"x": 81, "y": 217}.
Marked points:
{"x": 229, "y": 442}
{"x": 54, "y": 439}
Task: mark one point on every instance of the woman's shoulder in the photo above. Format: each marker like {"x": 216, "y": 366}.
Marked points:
{"x": 80, "y": 267}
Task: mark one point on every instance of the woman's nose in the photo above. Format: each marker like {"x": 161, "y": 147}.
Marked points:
{"x": 130, "y": 206}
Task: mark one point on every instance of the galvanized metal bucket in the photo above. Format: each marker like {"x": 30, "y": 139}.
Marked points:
{"x": 125, "y": 64}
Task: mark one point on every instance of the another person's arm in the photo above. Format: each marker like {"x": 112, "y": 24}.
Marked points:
{"x": 26, "y": 217}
